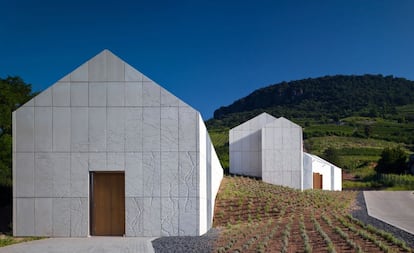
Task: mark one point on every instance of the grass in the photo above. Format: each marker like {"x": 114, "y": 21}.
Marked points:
{"x": 6, "y": 240}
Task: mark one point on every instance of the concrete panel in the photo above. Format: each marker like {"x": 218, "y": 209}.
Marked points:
{"x": 188, "y": 174}
{"x": 133, "y": 93}
{"x": 44, "y": 98}
{"x": 61, "y": 94}
{"x": 131, "y": 74}
{"x": 25, "y": 129}
{"x": 168, "y": 99}
{"x": 133, "y": 129}
{"x": 116, "y": 94}
{"x": 152, "y": 174}
{"x": 97, "y": 129}
{"x": 169, "y": 216}
{"x": 235, "y": 162}
{"x": 97, "y": 70}
{"x": 115, "y": 161}
{"x": 115, "y": 68}
{"x": 79, "y": 129}
{"x": 134, "y": 217}
{"x": 151, "y": 133}
{"x": 43, "y": 129}
{"x": 152, "y": 216}
{"x": 25, "y": 217}
{"x": 169, "y": 129}
{"x": 24, "y": 170}
{"x": 187, "y": 129}
{"x": 79, "y": 175}
{"x": 169, "y": 174}
{"x": 61, "y": 129}
{"x": 65, "y": 79}
{"x": 80, "y": 74}
{"x": 79, "y": 218}
{"x": 151, "y": 94}
{"x": 61, "y": 217}
{"x": 115, "y": 129}
{"x": 43, "y": 177}
{"x": 43, "y": 217}
{"x": 134, "y": 175}
{"x": 97, "y": 94}
{"x": 188, "y": 217}
{"x": 61, "y": 174}
{"x": 79, "y": 94}
{"x": 97, "y": 161}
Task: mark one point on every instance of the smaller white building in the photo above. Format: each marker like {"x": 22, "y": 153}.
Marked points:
{"x": 272, "y": 149}
{"x": 320, "y": 174}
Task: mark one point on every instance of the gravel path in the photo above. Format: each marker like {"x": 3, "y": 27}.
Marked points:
{"x": 182, "y": 244}
{"x": 360, "y": 212}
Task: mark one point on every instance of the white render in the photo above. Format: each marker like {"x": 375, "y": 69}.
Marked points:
{"x": 245, "y": 146}
{"x": 331, "y": 174}
{"x": 107, "y": 116}
{"x": 272, "y": 149}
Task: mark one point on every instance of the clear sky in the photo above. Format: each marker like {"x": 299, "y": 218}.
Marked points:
{"x": 209, "y": 52}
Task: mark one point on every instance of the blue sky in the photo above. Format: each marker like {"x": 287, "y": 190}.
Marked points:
{"x": 209, "y": 53}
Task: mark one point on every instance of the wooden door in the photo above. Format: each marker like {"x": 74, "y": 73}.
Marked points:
{"x": 108, "y": 203}
{"x": 317, "y": 181}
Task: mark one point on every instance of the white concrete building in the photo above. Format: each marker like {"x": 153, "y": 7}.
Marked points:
{"x": 245, "y": 146}
{"x": 272, "y": 148}
{"x": 321, "y": 174}
{"x": 107, "y": 151}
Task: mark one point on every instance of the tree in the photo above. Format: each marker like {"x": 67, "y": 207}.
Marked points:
{"x": 14, "y": 92}
{"x": 332, "y": 155}
{"x": 392, "y": 161}
{"x": 368, "y": 130}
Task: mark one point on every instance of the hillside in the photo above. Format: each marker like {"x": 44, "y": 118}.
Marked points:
{"x": 323, "y": 99}
{"x": 358, "y": 116}
{"x": 253, "y": 216}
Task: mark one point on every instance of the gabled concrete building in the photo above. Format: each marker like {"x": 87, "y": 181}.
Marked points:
{"x": 107, "y": 151}
{"x": 272, "y": 149}
{"x": 321, "y": 174}
{"x": 245, "y": 146}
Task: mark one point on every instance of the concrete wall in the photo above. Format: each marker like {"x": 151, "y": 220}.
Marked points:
{"x": 245, "y": 146}
{"x": 282, "y": 162}
{"x": 106, "y": 116}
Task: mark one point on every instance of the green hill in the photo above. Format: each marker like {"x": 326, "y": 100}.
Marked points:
{"x": 325, "y": 98}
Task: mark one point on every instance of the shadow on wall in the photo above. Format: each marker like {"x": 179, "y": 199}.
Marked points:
{"x": 5, "y": 209}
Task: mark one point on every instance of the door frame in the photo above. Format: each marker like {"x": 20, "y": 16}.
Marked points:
{"x": 91, "y": 199}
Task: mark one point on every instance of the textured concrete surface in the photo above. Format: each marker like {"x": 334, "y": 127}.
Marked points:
{"x": 83, "y": 245}
{"x": 245, "y": 146}
{"x": 107, "y": 116}
{"x": 282, "y": 161}
{"x": 393, "y": 207}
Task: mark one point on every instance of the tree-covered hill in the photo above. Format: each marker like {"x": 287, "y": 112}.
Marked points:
{"x": 325, "y": 98}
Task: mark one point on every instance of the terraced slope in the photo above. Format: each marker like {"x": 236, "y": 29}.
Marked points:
{"x": 253, "y": 216}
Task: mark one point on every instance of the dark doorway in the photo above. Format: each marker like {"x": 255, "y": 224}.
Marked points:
{"x": 107, "y": 203}
{"x": 317, "y": 181}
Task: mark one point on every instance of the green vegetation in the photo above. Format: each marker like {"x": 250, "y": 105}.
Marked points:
{"x": 9, "y": 240}
{"x": 347, "y": 120}
{"x": 14, "y": 92}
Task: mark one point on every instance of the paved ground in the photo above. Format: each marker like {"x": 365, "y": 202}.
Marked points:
{"x": 84, "y": 245}
{"x": 393, "y": 207}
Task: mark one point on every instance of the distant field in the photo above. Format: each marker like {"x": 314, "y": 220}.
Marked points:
{"x": 257, "y": 217}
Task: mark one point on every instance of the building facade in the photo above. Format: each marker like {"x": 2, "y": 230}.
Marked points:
{"x": 107, "y": 151}
{"x": 272, "y": 149}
